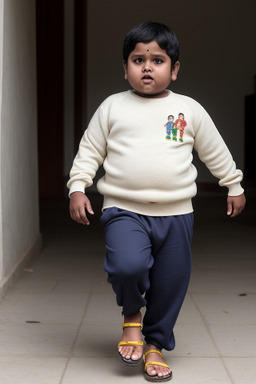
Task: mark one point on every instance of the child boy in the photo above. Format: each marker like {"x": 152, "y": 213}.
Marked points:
{"x": 148, "y": 186}
{"x": 169, "y": 127}
{"x": 180, "y": 123}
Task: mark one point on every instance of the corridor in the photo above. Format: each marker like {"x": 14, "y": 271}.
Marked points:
{"x": 59, "y": 323}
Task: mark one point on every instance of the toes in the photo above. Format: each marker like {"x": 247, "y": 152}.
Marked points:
{"x": 154, "y": 370}
{"x": 125, "y": 352}
{"x": 151, "y": 370}
{"x": 162, "y": 371}
{"x": 130, "y": 352}
{"x": 137, "y": 353}
{"x": 158, "y": 371}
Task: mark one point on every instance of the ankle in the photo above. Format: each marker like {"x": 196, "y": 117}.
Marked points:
{"x": 133, "y": 318}
{"x": 151, "y": 346}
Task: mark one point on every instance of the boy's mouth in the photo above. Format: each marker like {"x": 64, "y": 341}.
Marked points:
{"x": 147, "y": 79}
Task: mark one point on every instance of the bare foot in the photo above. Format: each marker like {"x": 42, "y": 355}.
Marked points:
{"x": 153, "y": 370}
{"x": 131, "y": 334}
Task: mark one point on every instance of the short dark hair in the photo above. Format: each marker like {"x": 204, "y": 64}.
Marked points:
{"x": 150, "y": 31}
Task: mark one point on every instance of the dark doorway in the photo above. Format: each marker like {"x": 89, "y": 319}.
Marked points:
{"x": 50, "y": 84}
{"x": 250, "y": 138}
{"x": 50, "y": 53}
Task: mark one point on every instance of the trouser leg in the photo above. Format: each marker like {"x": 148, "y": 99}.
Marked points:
{"x": 152, "y": 255}
{"x": 128, "y": 258}
{"x": 169, "y": 279}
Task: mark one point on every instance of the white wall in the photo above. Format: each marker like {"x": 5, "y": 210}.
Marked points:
{"x": 19, "y": 213}
{"x": 1, "y": 83}
{"x": 218, "y": 56}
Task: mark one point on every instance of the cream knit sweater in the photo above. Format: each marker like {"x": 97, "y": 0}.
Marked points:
{"x": 146, "y": 170}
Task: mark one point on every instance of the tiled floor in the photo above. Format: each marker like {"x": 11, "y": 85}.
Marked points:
{"x": 59, "y": 324}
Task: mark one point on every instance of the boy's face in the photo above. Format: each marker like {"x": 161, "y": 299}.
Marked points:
{"x": 149, "y": 70}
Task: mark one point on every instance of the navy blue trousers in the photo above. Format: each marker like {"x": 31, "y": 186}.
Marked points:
{"x": 148, "y": 261}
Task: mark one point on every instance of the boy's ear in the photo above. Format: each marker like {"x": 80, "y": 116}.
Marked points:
{"x": 175, "y": 70}
{"x": 125, "y": 70}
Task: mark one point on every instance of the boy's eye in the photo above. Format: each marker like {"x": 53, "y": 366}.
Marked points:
{"x": 138, "y": 60}
{"x": 158, "y": 61}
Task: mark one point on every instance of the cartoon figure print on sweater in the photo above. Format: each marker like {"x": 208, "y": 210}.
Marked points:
{"x": 180, "y": 124}
{"x": 172, "y": 127}
{"x": 169, "y": 127}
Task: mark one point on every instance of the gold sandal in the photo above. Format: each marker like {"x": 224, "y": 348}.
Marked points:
{"x": 130, "y": 362}
{"x": 156, "y": 378}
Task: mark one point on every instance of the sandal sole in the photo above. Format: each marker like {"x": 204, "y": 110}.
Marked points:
{"x": 130, "y": 362}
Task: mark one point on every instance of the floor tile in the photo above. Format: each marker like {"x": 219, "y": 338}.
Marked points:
{"x": 240, "y": 261}
{"x": 198, "y": 371}
{"x": 193, "y": 340}
{"x": 242, "y": 371}
{"x": 71, "y": 268}
{"x": 227, "y": 308}
{"x": 100, "y": 284}
{"x": 103, "y": 310}
{"x": 189, "y": 314}
{"x": 98, "y": 341}
{"x": 234, "y": 340}
{"x": 31, "y": 370}
{"x": 46, "y": 308}
{"x": 102, "y": 370}
{"x": 32, "y": 284}
{"x": 36, "y": 340}
{"x": 78, "y": 286}
{"x": 222, "y": 282}
{"x": 185, "y": 371}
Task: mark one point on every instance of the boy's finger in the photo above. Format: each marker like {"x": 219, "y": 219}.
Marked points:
{"x": 79, "y": 218}
{"x": 83, "y": 217}
{"x": 237, "y": 211}
{"x": 89, "y": 207}
{"x": 229, "y": 208}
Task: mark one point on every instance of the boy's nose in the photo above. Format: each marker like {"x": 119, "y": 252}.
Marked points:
{"x": 147, "y": 68}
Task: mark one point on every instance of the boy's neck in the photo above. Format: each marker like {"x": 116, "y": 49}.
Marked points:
{"x": 157, "y": 96}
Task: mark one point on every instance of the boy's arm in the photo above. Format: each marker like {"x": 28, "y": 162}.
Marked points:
{"x": 79, "y": 204}
{"x": 91, "y": 153}
{"x": 213, "y": 151}
{"x": 235, "y": 205}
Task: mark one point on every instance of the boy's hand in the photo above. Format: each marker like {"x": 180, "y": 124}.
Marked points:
{"x": 235, "y": 205}
{"x": 79, "y": 203}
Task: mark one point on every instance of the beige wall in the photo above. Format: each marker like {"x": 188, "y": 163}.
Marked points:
{"x": 19, "y": 217}
{"x": 218, "y": 56}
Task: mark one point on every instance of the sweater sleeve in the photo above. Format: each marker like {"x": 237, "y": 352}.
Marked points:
{"x": 91, "y": 153}
{"x": 213, "y": 151}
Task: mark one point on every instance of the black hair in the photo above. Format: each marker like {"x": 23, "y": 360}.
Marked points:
{"x": 150, "y": 31}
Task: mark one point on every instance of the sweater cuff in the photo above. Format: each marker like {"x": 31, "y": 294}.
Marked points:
{"x": 77, "y": 186}
{"x": 235, "y": 189}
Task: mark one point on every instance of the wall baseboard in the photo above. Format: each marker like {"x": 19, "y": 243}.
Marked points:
{"x": 9, "y": 280}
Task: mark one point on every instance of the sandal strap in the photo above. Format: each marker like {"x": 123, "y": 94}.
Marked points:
{"x": 135, "y": 325}
{"x": 155, "y": 363}
{"x": 152, "y": 351}
{"x": 130, "y": 343}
